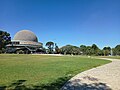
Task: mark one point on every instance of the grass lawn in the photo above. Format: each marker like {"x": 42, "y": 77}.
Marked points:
{"x": 41, "y": 72}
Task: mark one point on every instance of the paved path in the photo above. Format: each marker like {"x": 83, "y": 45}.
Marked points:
{"x": 106, "y": 77}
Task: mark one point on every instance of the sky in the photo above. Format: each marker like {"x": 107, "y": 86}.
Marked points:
{"x": 75, "y": 22}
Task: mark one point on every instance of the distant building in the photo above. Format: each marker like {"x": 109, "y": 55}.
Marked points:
{"x": 25, "y": 41}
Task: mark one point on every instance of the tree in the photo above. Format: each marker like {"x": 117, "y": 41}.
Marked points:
{"x": 116, "y": 50}
{"x": 4, "y": 39}
{"x": 94, "y": 46}
{"x": 95, "y": 49}
{"x": 100, "y": 52}
{"x": 76, "y": 50}
{"x": 66, "y": 49}
{"x": 106, "y": 51}
{"x": 83, "y": 49}
{"x": 89, "y": 50}
{"x": 69, "y": 49}
{"x": 50, "y": 46}
{"x": 57, "y": 50}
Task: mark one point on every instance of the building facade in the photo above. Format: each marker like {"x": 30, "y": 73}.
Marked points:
{"x": 26, "y": 42}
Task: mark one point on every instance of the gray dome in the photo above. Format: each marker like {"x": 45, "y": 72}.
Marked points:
{"x": 25, "y": 35}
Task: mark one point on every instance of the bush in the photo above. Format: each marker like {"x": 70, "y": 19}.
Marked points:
{"x": 0, "y": 51}
{"x": 20, "y": 52}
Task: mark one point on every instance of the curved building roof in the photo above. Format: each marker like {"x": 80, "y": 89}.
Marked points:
{"x": 25, "y": 35}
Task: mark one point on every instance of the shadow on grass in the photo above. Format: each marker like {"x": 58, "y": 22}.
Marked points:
{"x": 19, "y": 85}
{"x": 16, "y": 85}
{"x": 56, "y": 85}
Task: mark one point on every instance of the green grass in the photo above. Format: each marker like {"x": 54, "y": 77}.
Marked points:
{"x": 42, "y": 71}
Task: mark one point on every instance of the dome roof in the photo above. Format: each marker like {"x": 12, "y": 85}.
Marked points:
{"x": 25, "y": 35}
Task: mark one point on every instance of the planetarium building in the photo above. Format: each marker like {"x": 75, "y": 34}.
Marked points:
{"x": 25, "y": 41}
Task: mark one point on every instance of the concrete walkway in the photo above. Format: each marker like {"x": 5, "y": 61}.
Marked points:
{"x": 106, "y": 77}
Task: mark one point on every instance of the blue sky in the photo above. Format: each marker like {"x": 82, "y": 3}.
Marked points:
{"x": 73, "y": 22}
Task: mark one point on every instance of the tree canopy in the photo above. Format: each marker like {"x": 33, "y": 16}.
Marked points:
{"x": 69, "y": 49}
{"x": 116, "y": 50}
{"x": 50, "y": 46}
{"x": 4, "y": 39}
